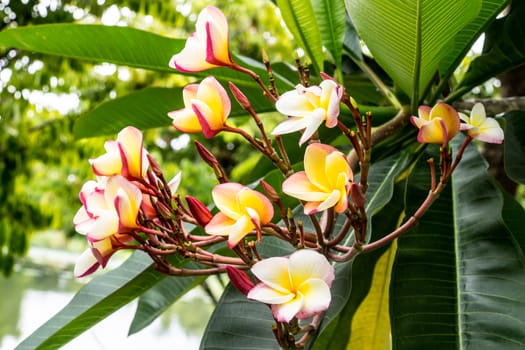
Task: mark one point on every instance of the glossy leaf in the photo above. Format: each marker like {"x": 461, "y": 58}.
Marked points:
{"x": 459, "y": 44}
{"x": 119, "y": 45}
{"x": 349, "y": 327}
{"x": 504, "y": 49}
{"x": 515, "y": 145}
{"x": 300, "y": 19}
{"x": 95, "y": 301}
{"x": 159, "y": 297}
{"x": 239, "y": 323}
{"x": 462, "y": 265}
{"x": 330, "y": 16}
{"x": 381, "y": 184}
{"x": 408, "y": 38}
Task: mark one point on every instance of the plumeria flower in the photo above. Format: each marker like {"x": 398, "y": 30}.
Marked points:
{"x": 206, "y": 107}
{"x": 325, "y": 181}
{"x": 298, "y": 286}
{"x": 110, "y": 207}
{"x": 308, "y": 108}
{"x": 98, "y": 254}
{"x": 241, "y": 211}
{"x": 480, "y": 127}
{"x": 126, "y": 156}
{"x": 208, "y": 47}
{"x": 438, "y": 124}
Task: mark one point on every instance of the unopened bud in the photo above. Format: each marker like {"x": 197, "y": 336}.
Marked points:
{"x": 239, "y": 279}
{"x": 327, "y": 77}
{"x": 270, "y": 191}
{"x": 239, "y": 96}
{"x": 154, "y": 165}
{"x": 206, "y": 155}
{"x": 199, "y": 211}
{"x": 358, "y": 197}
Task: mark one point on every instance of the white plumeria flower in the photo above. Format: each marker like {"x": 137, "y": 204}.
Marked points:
{"x": 308, "y": 108}
{"x": 297, "y": 286}
{"x": 480, "y": 127}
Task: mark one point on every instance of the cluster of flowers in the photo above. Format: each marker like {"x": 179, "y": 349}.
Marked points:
{"x": 131, "y": 206}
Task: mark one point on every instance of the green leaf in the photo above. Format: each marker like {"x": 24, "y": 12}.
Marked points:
{"x": 503, "y": 50}
{"x": 144, "y": 109}
{"x": 95, "y": 301}
{"x": 119, "y": 45}
{"x": 459, "y": 44}
{"x": 330, "y": 15}
{"x": 408, "y": 38}
{"x": 380, "y": 190}
{"x": 239, "y": 324}
{"x": 158, "y": 298}
{"x": 346, "y": 326}
{"x": 300, "y": 19}
{"x": 458, "y": 279}
{"x": 514, "y": 151}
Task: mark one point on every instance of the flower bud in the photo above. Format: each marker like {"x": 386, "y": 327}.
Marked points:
{"x": 239, "y": 96}
{"x": 199, "y": 211}
{"x": 239, "y": 279}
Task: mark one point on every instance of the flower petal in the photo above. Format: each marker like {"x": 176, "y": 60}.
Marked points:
{"x": 130, "y": 143}
{"x": 265, "y": 294}
{"x": 286, "y": 311}
{"x": 306, "y": 264}
{"x": 185, "y": 120}
{"x": 239, "y": 230}
{"x": 225, "y": 198}
{"x": 274, "y": 273}
{"x": 109, "y": 163}
{"x": 193, "y": 57}
{"x": 317, "y": 298}
{"x": 258, "y": 202}
{"x": 299, "y": 186}
{"x": 219, "y": 225}
{"x": 86, "y": 264}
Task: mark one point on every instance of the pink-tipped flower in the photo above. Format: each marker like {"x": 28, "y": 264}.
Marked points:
{"x": 480, "y": 127}
{"x": 438, "y": 124}
{"x": 325, "y": 181}
{"x": 97, "y": 255}
{"x": 109, "y": 210}
{"x": 241, "y": 211}
{"x": 298, "y": 286}
{"x": 208, "y": 47}
{"x": 126, "y": 156}
{"x": 206, "y": 107}
{"x": 308, "y": 108}
{"x": 109, "y": 206}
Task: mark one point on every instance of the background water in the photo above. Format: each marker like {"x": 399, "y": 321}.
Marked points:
{"x": 34, "y": 293}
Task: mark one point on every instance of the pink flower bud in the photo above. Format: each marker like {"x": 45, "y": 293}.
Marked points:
{"x": 199, "y": 211}
{"x": 239, "y": 279}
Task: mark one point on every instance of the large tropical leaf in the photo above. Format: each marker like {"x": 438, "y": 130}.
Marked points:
{"x": 459, "y": 44}
{"x": 459, "y": 276}
{"x": 504, "y": 49}
{"x": 515, "y": 145}
{"x": 95, "y": 301}
{"x": 119, "y": 45}
{"x": 153, "y": 302}
{"x": 408, "y": 38}
{"x": 330, "y": 16}
{"x": 238, "y": 323}
{"x": 361, "y": 323}
{"x": 300, "y": 19}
